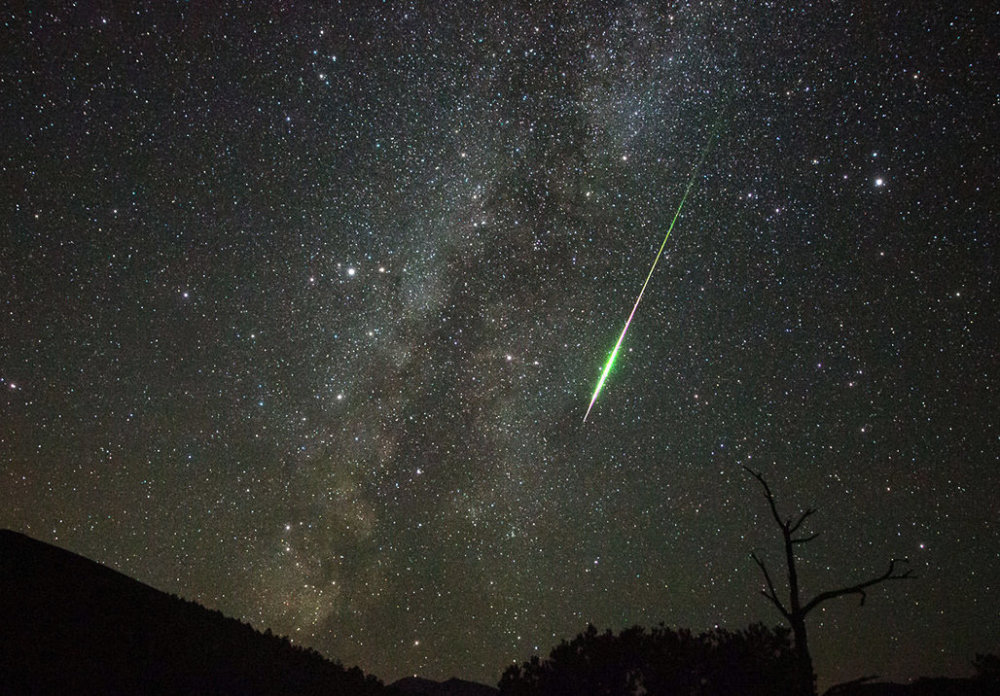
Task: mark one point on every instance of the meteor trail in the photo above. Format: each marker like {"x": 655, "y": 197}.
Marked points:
{"x": 614, "y": 353}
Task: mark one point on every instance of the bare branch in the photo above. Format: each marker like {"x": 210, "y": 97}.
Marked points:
{"x": 767, "y": 494}
{"x": 770, "y": 592}
{"x": 796, "y": 613}
{"x": 788, "y": 527}
{"x": 805, "y": 539}
{"x": 859, "y": 589}
{"x": 802, "y": 518}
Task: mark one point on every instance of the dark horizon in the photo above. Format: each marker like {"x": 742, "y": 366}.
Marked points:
{"x": 303, "y": 309}
{"x": 71, "y": 623}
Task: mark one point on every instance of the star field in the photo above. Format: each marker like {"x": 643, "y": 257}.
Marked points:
{"x": 302, "y": 309}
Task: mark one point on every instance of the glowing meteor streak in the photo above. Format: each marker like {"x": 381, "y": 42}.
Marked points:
{"x": 618, "y": 345}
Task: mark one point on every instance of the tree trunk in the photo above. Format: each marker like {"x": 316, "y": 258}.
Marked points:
{"x": 797, "y": 610}
{"x": 806, "y": 678}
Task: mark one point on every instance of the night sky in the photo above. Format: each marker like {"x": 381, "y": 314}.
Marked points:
{"x": 302, "y": 309}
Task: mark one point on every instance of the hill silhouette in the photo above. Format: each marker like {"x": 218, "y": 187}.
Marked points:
{"x": 417, "y": 686}
{"x": 69, "y": 625}
{"x": 73, "y": 626}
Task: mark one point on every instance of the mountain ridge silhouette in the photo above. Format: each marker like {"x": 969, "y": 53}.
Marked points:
{"x": 72, "y": 625}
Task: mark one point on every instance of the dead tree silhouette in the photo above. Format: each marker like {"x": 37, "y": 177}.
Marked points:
{"x": 796, "y": 610}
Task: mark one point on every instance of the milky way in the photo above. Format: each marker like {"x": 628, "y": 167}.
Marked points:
{"x": 302, "y": 308}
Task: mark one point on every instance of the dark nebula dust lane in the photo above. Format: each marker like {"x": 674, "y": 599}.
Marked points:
{"x": 302, "y": 309}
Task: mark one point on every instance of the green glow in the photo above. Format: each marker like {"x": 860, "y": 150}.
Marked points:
{"x": 604, "y": 374}
{"x": 663, "y": 244}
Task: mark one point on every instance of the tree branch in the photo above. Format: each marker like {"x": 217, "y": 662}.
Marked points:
{"x": 848, "y": 685}
{"x": 798, "y": 523}
{"x": 770, "y": 592}
{"x": 767, "y": 494}
{"x": 859, "y": 589}
{"x": 805, "y": 539}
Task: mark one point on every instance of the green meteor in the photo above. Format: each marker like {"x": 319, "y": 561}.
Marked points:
{"x": 618, "y": 345}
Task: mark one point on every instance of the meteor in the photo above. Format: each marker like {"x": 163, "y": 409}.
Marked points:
{"x": 618, "y": 345}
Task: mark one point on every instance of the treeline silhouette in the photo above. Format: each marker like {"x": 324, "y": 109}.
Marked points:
{"x": 756, "y": 661}
{"x": 72, "y": 626}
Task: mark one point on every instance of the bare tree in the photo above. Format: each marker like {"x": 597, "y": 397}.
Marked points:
{"x": 796, "y": 610}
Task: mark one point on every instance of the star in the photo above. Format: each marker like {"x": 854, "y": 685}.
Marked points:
{"x": 191, "y": 305}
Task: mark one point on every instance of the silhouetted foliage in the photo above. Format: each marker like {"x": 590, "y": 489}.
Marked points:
{"x": 987, "y": 669}
{"x": 72, "y": 626}
{"x": 756, "y": 661}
